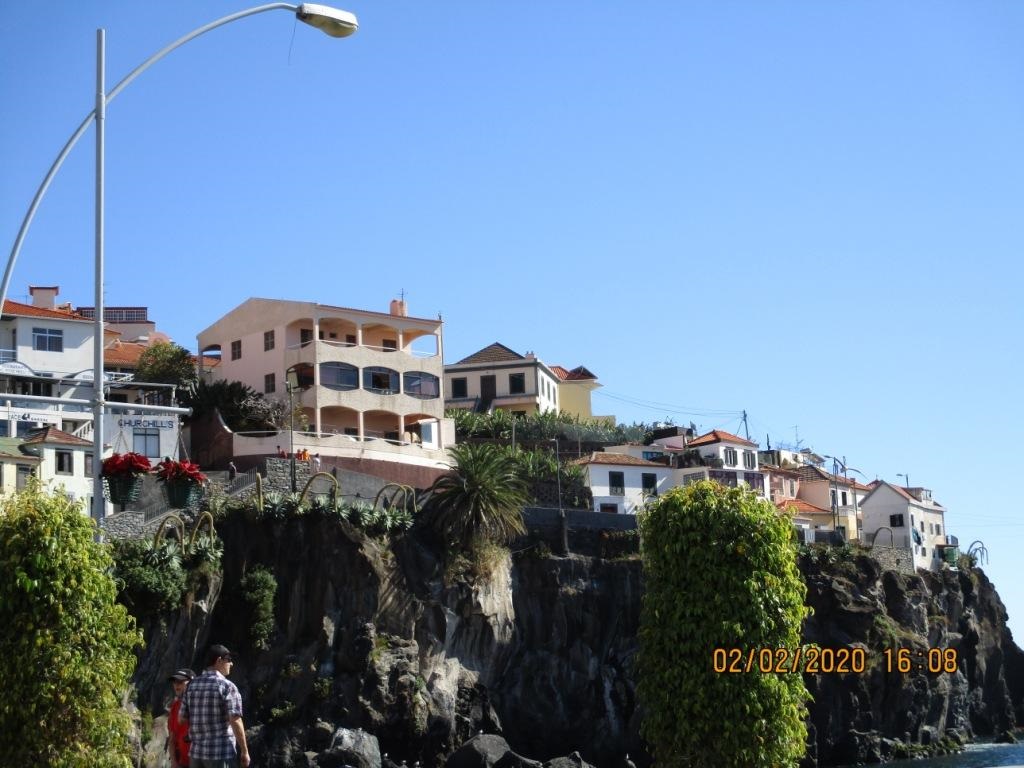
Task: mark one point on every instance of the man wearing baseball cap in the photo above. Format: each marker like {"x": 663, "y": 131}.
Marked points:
{"x": 213, "y": 708}
{"x": 177, "y": 729}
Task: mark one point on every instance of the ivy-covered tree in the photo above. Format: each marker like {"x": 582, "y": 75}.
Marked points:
{"x": 66, "y": 645}
{"x": 720, "y": 573}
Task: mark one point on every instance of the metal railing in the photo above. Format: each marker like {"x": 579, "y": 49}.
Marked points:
{"x": 242, "y": 482}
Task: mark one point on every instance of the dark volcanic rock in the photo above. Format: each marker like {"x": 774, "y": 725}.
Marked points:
{"x": 540, "y": 656}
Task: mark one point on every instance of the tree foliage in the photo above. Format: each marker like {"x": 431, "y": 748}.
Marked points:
{"x": 481, "y": 498}
{"x": 546, "y": 425}
{"x": 720, "y": 572}
{"x": 258, "y": 589}
{"x": 66, "y": 645}
{"x": 166, "y": 363}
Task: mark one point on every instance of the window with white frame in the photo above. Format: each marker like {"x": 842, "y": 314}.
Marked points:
{"x": 65, "y": 462}
{"x": 146, "y": 441}
{"x": 749, "y": 460}
{"x": 730, "y": 457}
{"x": 47, "y": 340}
{"x": 649, "y": 483}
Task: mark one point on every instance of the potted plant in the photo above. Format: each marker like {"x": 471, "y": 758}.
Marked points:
{"x": 122, "y": 477}
{"x": 182, "y": 481}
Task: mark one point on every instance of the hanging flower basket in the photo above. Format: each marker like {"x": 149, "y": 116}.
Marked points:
{"x": 183, "y": 494}
{"x": 122, "y": 476}
{"x": 122, "y": 489}
{"x": 183, "y": 482}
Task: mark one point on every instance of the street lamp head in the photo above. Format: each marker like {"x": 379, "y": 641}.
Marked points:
{"x": 331, "y": 21}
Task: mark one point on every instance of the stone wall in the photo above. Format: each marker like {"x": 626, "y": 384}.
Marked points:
{"x": 893, "y": 559}
{"x": 585, "y": 529}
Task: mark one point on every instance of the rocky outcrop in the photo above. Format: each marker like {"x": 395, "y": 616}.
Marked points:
{"x": 883, "y": 713}
{"x": 534, "y": 663}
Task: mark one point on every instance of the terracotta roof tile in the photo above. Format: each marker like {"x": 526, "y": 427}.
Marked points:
{"x": 51, "y": 435}
{"x": 123, "y": 353}
{"x": 495, "y": 353}
{"x": 799, "y": 505}
{"x": 617, "y": 459}
{"x": 27, "y": 310}
{"x": 810, "y": 474}
{"x": 579, "y": 373}
{"x": 718, "y": 436}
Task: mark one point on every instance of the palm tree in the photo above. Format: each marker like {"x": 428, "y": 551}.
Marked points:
{"x": 481, "y": 498}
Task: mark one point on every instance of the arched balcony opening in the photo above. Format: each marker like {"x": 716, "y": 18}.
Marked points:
{"x": 422, "y": 429}
{"x": 382, "y": 425}
{"x": 339, "y": 376}
{"x": 381, "y": 337}
{"x": 337, "y": 420}
{"x": 380, "y": 380}
{"x": 421, "y": 343}
{"x": 298, "y": 334}
{"x": 338, "y": 332}
{"x": 420, "y": 384}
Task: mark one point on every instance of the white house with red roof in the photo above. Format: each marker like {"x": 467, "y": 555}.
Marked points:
{"x": 620, "y": 483}
{"x": 58, "y": 459}
{"x": 726, "y": 458}
{"x": 45, "y": 351}
{"x": 906, "y": 518}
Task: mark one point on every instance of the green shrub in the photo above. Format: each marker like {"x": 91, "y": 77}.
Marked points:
{"x": 66, "y": 645}
{"x": 150, "y": 576}
{"x": 719, "y": 573}
{"x": 258, "y": 590}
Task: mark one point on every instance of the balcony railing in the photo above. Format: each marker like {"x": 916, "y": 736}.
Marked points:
{"x": 8, "y": 355}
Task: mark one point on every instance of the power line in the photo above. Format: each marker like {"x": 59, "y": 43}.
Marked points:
{"x": 669, "y": 407}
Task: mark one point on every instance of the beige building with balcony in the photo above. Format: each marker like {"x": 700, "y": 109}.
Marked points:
{"x": 372, "y": 381}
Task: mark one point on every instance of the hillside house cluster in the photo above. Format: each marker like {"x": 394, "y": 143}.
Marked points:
{"x": 373, "y": 389}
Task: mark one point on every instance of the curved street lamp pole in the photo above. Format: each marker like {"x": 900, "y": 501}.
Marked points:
{"x": 332, "y": 21}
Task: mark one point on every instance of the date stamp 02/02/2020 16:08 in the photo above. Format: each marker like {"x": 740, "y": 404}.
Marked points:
{"x": 815, "y": 660}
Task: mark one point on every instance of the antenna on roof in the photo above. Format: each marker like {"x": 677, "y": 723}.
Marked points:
{"x": 796, "y": 429}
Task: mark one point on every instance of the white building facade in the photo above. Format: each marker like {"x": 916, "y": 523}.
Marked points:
{"x": 915, "y": 521}
{"x": 622, "y": 484}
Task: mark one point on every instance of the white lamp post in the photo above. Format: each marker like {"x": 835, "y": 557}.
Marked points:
{"x": 332, "y": 21}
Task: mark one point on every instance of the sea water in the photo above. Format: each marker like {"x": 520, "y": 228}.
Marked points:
{"x": 974, "y": 756}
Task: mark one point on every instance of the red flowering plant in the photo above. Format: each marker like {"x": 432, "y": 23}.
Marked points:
{"x": 125, "y": 465}
{"x": 185, "y": 471}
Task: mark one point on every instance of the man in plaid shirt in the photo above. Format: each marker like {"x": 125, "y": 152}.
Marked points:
{"x": 213, "y": 708}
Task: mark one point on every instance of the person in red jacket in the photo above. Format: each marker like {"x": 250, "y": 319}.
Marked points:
{"x": 177, "y": 729}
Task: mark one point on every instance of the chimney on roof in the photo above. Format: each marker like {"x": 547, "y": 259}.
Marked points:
{"x": 398, "y": 308}
{"x": 44, "y": 296}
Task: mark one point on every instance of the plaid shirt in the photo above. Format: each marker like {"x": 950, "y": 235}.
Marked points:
{"x": 209, "y": 701}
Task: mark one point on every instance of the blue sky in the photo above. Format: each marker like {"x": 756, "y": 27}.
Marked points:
{"x": 810, "y": 211}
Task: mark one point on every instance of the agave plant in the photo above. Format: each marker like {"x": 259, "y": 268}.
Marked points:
{"x": 482, "y": 497}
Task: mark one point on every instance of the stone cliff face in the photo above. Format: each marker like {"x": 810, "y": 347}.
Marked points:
{"x": 369, "y": 636}
{"x": 873, "y": 715}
